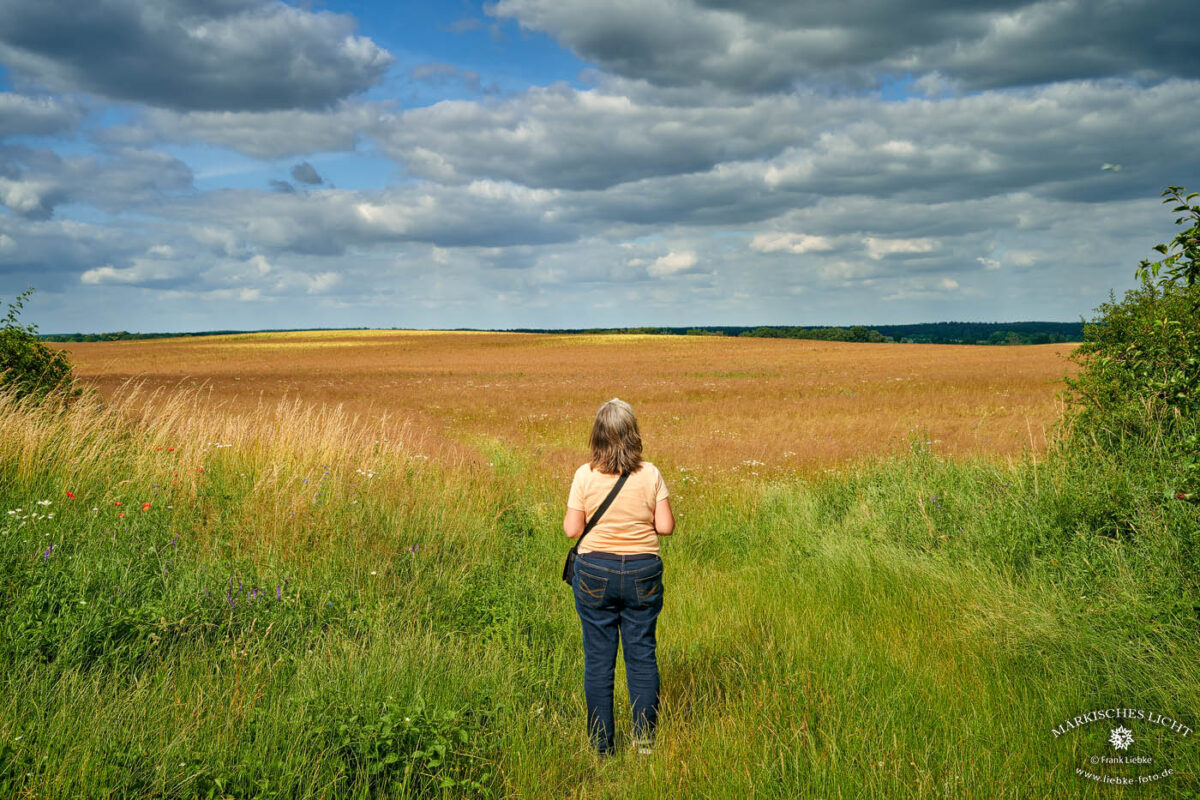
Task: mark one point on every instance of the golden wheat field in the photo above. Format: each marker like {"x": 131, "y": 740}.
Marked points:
{"x": 705, "y": 402}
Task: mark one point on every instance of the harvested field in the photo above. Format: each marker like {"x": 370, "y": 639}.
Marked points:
{"x": 755, "y": 405}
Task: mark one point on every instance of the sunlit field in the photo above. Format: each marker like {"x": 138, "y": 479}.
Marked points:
{"x": 327, "y": 565}
{"x": 704, "y": 402}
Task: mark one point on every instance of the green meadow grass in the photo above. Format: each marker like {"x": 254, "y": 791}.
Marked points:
{"x": 315, "y": 611}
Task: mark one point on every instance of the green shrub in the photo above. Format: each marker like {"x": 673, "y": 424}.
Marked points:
{"x": 27, "y": 366}
{"x": 1140, "y": 376}
{"x": 426, "y": 751}
{"x": 1141, "y": 362}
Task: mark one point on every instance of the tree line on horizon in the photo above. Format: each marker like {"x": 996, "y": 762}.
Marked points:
{"x": 981, "y": 333}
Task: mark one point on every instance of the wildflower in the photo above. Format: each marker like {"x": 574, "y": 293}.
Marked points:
{"x": 70, "y": 495}
{"x": 170, "y": 449}
{"x": 47, "y": 552}
{"x": 116, "y": 502}
{"x": 200, "y": 470}
{"x": 145, "y": 506}
{"x": 122, "y": 514}
{"x": 278, "y": 592}
{"x": 372, "y": 572}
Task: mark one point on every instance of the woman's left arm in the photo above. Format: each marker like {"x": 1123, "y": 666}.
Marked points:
{"x": 573, "y": 523}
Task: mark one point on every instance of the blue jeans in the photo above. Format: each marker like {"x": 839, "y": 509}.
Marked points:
{"x": 619, "y": 595}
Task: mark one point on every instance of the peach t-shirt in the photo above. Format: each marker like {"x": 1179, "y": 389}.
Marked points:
{"x": 627, "y": 527}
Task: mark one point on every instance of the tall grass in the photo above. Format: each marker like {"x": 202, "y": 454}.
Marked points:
{"x": 311, "y": 607}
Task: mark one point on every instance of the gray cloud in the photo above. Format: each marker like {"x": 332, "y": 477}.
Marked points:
{"x": 326, "y": 222}
{"x": 771, "y": 45}
{"x": 21, "y": 115}
{"x": 305, "y": 173}
{"x": 234, "y": 55}
{"x": 50, "y": 254}
{"x": 639, "y": 155}
{"x": 266, "y": 134}
{"x": 440, "y": 74}
{"x": 565, "y": 138}
{"x": 464, "y": 25}
{"x": 34, "y": 181}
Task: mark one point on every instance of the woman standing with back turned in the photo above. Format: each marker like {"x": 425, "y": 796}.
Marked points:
{"x": 618, "y": 573}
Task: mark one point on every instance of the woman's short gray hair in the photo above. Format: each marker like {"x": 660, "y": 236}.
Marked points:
{"x": 616, "y": 441}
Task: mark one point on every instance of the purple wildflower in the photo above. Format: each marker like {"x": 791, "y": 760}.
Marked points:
{"x": 278, "y": 592}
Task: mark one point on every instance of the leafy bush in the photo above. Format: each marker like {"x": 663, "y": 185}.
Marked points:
{"x": 27, "y": 366}
{"x": 1140, "y": 376}
{"x": 426, "y": 751}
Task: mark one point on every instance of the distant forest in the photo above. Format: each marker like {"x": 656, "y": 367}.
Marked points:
{"x": 989, "y": 333}
{"x": 120, "y": 336}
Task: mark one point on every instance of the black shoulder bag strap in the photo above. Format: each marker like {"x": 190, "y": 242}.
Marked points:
{"x": 569, "y": 567}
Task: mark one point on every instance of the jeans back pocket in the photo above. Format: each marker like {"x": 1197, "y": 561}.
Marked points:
{"x": 589, "y": 587}
{"x": 649, "y": 588}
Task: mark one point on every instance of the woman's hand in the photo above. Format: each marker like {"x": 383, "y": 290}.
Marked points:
{"x": 664, "y": 520}
{"x": 573, "y": 523}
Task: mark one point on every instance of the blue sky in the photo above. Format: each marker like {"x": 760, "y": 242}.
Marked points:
{"x": 174, "y": 165}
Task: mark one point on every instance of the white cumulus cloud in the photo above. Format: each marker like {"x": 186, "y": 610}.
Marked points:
{"x": 672, "y": 263}
{"x": 790, "y": 243}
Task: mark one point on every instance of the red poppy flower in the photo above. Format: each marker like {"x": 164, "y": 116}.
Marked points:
{"x": 116, "y": 502}
{"x": 120, "y": 515}
{"x": 70, "y": 495}
{"x": 170, "y": 449}
{"x": 145, "y": 506}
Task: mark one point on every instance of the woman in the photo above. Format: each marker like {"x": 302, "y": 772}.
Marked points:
{"x": 618, "y": 573}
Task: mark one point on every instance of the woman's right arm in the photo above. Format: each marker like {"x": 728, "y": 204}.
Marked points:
{"x": 664, "y": 520}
